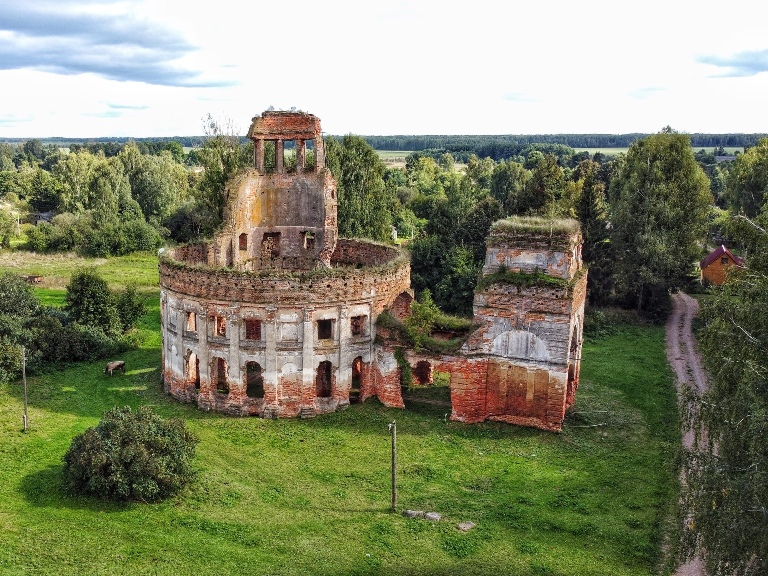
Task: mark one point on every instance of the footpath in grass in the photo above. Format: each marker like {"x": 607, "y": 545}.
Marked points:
{"x": 312, "y": 496}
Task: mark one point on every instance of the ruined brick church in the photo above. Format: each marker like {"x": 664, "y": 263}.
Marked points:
{"x": 276, "y": 316}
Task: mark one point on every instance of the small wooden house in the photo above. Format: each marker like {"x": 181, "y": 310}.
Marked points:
{"x": 714, "y": 268}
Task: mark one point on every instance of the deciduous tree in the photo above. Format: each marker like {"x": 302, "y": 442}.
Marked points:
{"x": 748, "y": 180}
{"x": 592, "y": 211}
{"x": 508, "y": 183}
{"x": 658, "y": 219}
{"x": 221, "y": 156}
{"x": 89, "y": 302}
{"x": 364, "y": 201}
{"x": 727, "y": 478}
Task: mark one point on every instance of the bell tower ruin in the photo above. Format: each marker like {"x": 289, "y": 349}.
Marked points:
{"x": 276, "y": 315}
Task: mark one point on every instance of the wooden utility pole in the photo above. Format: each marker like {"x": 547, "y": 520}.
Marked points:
{"x": 24, "y": 378}
{"x": 393, "y": 430}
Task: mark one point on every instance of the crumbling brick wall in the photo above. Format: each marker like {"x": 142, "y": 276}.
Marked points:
{"x": 277, "y": 262}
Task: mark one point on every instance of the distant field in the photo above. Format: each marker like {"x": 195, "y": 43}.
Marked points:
{"x": 56, "y": 269}
{"x": 729, "y": 150}
{"x": 606, "y": 151}
{"x": 394, "y": 158}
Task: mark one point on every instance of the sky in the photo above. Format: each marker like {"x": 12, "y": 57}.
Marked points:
{"x": 88, "y": 69}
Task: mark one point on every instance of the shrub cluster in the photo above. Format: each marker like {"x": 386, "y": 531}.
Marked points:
{"x": 130, "y": 456}
{"x": 70, "y": 232}
{"x": 425, "y": 319}
{"x": 92, "y": 325}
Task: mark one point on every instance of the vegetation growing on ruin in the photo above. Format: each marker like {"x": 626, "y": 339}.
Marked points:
{"x": 319, "y": 272}
{"x": 529, "y": 279}
{"x": 421, "y": 328}
{"x": 535, "y": 224}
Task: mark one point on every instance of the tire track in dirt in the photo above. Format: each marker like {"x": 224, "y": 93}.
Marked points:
{"x": 686, "y": 362}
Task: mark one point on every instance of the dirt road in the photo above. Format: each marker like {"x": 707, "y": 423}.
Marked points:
{"x": 685, "y": 361}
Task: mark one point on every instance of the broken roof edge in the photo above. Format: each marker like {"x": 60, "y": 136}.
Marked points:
{"x": 296, "y": 124}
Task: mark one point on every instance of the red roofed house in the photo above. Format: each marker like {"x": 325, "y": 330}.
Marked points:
{"x": 714, "y": 268}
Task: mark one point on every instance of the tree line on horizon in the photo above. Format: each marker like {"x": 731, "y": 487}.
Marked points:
{"x": 494, "y": 146}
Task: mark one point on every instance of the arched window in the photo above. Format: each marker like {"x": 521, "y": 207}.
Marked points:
{"x": 254, "y": 381}
{"x": 357, "y": 377}
{"x": 323, "y": 380}
{"x": 219, "y": 377}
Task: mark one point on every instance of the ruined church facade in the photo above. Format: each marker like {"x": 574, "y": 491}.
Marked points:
{"x": 276, "y": 316}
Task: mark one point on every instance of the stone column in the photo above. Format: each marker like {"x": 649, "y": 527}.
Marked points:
{"x": 235, "y": 383}
{"x": 344, "y": 360}
{"x": 204, "y": 394}
{"x": 301, "y": 152}
{"x": 279, "y": 156}
{"x": 258, "y": 155}
{"x": 319, "y": 152}
{"x": 308, "y": 364}
{"x": 270, "y": 359}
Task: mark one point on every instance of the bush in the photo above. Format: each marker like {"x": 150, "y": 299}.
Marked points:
{"x": 140, "y": 236}
{"x": 121, "y": 239}
{"x": 78, "y": 342}
{"x": 39, "y": 237}
{"x": 17, "y": 298}
{"x": 130, "y": 306}
{"x": 90, "y": 302}
{"x": 131, "y": 456}
{"x": 10, "y": 360}
{"x": 103, "y": 242}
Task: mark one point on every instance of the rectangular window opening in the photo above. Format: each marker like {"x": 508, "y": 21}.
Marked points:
{"x": 219, "y": 326}
{"x": 243, "y": 241}
{"x": 357, "y": 325}
{"x": 270, "y": 245}
{"x": 289, "y": 155}
{"x": 254, "y": 380}
{"x": 252, "y": 329}
{"x": 221, "y": 376}
{"x": 308, "y": 240}
{"x": 325, "y": 329}
{"x": 324, "y": 380}
{"x": 309, "y": 156}
{"x": 270, "y": 165}
{"x": 191, "y": 322}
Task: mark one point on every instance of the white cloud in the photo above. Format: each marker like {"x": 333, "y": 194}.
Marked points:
{"x": 149, "y": 69}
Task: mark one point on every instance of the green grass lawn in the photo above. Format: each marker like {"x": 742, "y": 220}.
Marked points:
{"x": 56, "y": 269}
{"x": 312, "y": 496}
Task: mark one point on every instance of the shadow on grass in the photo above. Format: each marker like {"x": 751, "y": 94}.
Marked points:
{"x": 84, "y": 390}
{"x": 45, "y": 488}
